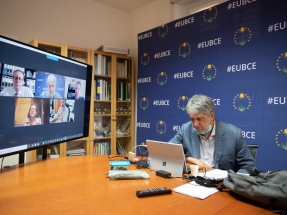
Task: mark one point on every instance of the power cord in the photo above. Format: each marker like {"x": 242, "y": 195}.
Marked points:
{"x": 131, "y": 156}
{"x": 139, "y": 163}
{"x": 142, "y": 164}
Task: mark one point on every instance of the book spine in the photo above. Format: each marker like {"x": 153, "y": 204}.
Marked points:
{"x": 99, "y": 67}
{"x": 104, "y": 65}
{"x": 122, "y": 91}
{"x": 96, "y": 64}
{"x": 126, "y": 69}
{"x": 129, "y": 91}
{"x": 98, "y": 95}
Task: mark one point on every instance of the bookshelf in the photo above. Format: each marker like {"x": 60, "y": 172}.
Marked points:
{"x": 76, "y": 53}
{"x": 112, "y": 112}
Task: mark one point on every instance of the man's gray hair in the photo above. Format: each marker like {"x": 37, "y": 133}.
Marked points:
{"x": 200, "y": 104}
{"x": 18, "y": 70}
{"x": 51, "y": 78}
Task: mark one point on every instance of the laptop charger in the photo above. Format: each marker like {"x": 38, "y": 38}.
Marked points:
{"x": 163, "y": 174}
{"x": 131, "y": 156}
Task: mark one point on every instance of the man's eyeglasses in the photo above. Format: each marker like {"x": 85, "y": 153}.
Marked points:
{"x": 18, "y": 78}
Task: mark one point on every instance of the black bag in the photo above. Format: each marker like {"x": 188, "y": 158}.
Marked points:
{"x": 269, "y": 188}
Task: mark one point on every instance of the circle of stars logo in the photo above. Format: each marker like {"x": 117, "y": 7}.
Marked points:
{"x": 210, "y": 14}
{"x": 144, "y": 103}
{"x": 182, "y": 102}
{"x": 162, "y": 30}
{"x": 145, "y": 59}
{"x": 161, "y": 127}
{"x": 242, "y": 36}
{"x": 281, "y": 132}
{"x": 184, "y": 49}
{"x": 209, "y": 72}
{"x": 244, "y": 100}
{"x": 282, "y": 59}
{"x": 162, "y": 78}
{"x": 38, "y": 89}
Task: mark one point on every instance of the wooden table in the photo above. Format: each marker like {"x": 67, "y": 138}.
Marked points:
{"x": 78, "y": 185}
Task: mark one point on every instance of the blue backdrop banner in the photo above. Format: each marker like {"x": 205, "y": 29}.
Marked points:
{"x": 235, "y": 53}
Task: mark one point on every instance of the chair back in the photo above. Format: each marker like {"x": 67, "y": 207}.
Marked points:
{"x": 253, "y": 149}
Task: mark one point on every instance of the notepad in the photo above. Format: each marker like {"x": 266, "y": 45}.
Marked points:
{"x": 195, "y": 190}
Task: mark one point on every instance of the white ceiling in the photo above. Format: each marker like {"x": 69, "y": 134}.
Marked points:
{"x": 131, "y": 5}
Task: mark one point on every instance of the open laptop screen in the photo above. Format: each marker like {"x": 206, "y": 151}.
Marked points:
{"x": 166, "y": 156}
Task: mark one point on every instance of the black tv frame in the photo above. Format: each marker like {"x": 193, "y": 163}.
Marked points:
{"x": 86, "y": 124}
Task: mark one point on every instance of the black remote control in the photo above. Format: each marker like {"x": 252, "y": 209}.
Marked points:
{"x": 153, "y": 191}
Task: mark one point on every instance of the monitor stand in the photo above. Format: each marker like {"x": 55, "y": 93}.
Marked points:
{"x": 22, "y": 155}
{"x": 44, "y": 152}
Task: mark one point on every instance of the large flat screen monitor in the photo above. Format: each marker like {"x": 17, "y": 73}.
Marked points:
{"x": 44, "y": 98}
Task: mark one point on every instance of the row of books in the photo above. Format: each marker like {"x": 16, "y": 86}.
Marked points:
{"x": 102, "y": 148}
{"x": 102, "y": 65}
{"x": 120, "y": 149}
{"x": 9, "y": 70}
{"x": 124, "y": 69}
{"x": 76, "y": 152}
{"x": 102, "y": 90}
{"x": 123, "y": 91}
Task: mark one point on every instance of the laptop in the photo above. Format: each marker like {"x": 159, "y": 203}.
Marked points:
{"x": 166, "y": 156}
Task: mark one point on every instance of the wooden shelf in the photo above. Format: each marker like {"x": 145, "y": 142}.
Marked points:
{"x": 127, "y": 142}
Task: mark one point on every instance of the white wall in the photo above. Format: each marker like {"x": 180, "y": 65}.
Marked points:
{"x": 82, "y": 23}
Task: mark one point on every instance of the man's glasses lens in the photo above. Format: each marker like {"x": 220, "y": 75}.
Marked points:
{"x": 18, "y": 78}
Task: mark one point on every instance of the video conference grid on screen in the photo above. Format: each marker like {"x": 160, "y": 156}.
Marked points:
{"x": 34, "y": 83}
{"x": 40, "y": 88}
{"x": 41, "y": 85}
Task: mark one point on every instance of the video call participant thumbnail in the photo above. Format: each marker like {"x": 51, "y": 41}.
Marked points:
{"x": 51, "y": 86}
{"x": 62, "y": 114}
{"x": 18, "y": 90}
{"x": 33, "y": 117}
{"x": 78, "y": 96}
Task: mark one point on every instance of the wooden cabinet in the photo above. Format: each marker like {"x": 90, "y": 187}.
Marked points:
{"x": 113, "y": 110}
{"x": 50, "y": 46}
{"x": 76, "y": 53}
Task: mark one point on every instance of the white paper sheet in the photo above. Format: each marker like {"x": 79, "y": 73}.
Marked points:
{"x": 195, "y": 190}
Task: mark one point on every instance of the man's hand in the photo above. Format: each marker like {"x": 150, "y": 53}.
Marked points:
{"x": 198, "y": 162}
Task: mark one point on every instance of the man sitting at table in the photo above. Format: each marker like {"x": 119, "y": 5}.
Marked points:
{"x": 211, "y": 143}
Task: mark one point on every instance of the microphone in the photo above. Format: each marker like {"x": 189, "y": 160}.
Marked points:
{"x": 188, "y": 177}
